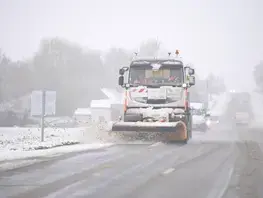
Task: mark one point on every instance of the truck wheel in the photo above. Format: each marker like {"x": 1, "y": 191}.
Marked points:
{"x": 190, "y": 133}
{"x": 186, "y": 141}
{"x": 188, "y": 136}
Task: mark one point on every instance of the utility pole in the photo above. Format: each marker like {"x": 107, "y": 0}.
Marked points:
{"x": 43, "y": 115}
{"x": 207, "y": 94}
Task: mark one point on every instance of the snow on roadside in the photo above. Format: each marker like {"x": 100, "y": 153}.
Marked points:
{"x": 26, "y": 139}
{"x": 16, "y": 159}
{"x": 19, "y": 143}
{"x": 11, "y": 155}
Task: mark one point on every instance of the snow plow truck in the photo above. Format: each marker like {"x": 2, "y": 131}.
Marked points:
{"x": 156, "y": 98}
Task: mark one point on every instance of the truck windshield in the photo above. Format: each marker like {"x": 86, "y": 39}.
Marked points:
{"x": 163, "y": 76}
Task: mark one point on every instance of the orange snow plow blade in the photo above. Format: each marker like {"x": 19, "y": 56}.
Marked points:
{"x": 171, "y": 131}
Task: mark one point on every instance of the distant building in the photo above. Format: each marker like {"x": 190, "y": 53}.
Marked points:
{"x": 82, "y": 116}
{"x": 106, "y": 110}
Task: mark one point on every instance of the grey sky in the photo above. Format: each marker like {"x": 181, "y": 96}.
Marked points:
{"x": 219, "y": 36}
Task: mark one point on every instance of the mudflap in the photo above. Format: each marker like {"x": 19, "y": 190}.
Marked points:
{"x": 167, "y": 131}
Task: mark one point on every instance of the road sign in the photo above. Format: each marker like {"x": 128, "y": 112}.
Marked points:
{"x": 37, "y": 103}
{"x": 50, "y": 103}
{"x": 43, "y": 103}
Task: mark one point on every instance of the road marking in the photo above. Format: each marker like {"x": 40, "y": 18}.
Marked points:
{"x": 169, "y": 170}
{"x": 104, "y": 166}
{"x": 91, "y": 189}
{"x": 221, "y": 194}
{"x": 155, "y": 144}
{"x": 223, "y": 183}
{"x": 96, "y": 174}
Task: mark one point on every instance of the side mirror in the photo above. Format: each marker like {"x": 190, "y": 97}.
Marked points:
{"x": 123, "y": 70}
{"x": 121, "y": 80}
{"x": 191, "y": 71}
{"x": 191, "y": 80}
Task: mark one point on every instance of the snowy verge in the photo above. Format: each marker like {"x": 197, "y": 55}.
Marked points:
{"x": 18, "y": 155}
{"x": 16, "y": 159}
{"x": 21, "y": 143}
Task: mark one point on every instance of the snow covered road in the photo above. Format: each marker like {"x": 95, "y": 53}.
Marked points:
{"x": 225, "y": 162}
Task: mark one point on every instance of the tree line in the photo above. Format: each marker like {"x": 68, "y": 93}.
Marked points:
{"x": 77, "y": 74}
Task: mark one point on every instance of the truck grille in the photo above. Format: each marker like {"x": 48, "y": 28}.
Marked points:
{"x": 161, "y": 101}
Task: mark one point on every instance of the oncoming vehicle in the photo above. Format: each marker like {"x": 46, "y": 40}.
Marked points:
{"x": 243, "y": 114}
{"x": 199, "y": 121}
{"x": 242, "y": 118}
{"x": 211, "y": 120}
{"x": 157, "y": 98}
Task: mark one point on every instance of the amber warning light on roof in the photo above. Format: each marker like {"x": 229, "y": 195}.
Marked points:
{"x": 177, "y": 52}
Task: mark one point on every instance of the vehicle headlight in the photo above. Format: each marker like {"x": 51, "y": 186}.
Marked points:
{"x": 208, "y": 122}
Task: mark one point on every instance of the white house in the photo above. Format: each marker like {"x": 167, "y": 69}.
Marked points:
{"x": 107, "y": 109}
{"x": 82, "y": 116}
{"x": 100, "y": 110}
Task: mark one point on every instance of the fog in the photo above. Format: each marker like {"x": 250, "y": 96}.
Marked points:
{"x": 223, "y": 37}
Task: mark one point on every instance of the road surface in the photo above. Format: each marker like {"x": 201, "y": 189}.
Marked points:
{"x": 227, "y": 162}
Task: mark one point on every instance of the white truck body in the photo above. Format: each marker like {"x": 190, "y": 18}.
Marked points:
{"x": 242, "y": 118}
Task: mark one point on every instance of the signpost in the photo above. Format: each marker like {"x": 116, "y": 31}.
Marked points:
{"x": 43, "y": 103}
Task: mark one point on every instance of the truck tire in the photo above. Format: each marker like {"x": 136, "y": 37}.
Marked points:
{"x": 189, "y": 127}
{"x": 187, "y": 139}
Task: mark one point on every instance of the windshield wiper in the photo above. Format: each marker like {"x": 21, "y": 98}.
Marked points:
{"x": 138, "y": 85}
{"x": 156, "y": 85}
{"x": 133, "y": 85}
{"x": 153, "y": 86}
{"x": 173, "y": 85}
{"x": 144, "y": 85}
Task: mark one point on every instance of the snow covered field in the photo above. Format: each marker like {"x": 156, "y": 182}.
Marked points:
{"x": 20, "y": 143}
